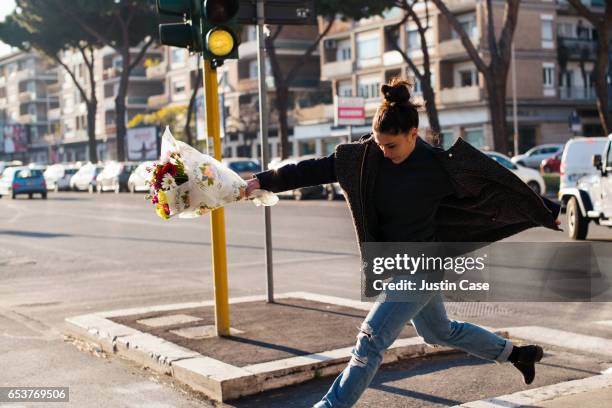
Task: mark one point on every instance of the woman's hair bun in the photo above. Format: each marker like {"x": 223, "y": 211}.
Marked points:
{"x": 396, "y": 92}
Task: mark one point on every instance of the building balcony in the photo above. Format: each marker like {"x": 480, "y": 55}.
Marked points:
{"x": 27, "y": 96}
{"x": 577, "y": 48}
{"x": 137, "y": 101}
{"x": 577, "y": 94}
{"x": 110, "y": 129}
{"x": 453, "y": 48}
{"x": 282, "y": 46}
{"x": 27, "y": 119}
{"x": 465, "y": 94}
{"x": 54, "y": 114}
{"x": 460, "y": 5}
{"x": 369, "y": 62}
{"x": 392, "y": 58}
{"x": 157, "y": 71}
{"x": 32, "y": 73}
{"x": 115, "y": 73}
{"x": 336, "y": 69}
{"x": 158, "y": 101}
{"x": 247, "y": 85}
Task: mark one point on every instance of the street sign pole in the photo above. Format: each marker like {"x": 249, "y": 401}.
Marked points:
{"x": 217, "y": 217}
{"x": 263, "y": 131}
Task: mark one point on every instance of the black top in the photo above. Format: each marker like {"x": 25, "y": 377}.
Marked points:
{"x": 407, "y": 195}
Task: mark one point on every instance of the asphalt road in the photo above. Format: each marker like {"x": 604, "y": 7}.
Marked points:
{"x": 78, "y": 253}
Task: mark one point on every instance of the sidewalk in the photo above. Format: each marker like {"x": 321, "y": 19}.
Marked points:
{"x": 590, "y": 392}
{"x": 272, "y": 345}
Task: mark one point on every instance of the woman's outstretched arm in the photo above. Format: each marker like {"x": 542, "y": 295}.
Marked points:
{"x": 306, "y": 173}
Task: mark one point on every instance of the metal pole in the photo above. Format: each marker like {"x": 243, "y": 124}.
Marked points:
{"x": 263, "y": 131}
{"x": 217, "y": 217}
{"x": 514, "y": 104}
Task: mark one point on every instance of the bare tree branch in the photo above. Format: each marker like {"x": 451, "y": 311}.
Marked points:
{"x": 141, "y": 53}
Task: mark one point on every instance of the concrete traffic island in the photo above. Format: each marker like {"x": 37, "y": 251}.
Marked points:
{"x": 299, "y": 337}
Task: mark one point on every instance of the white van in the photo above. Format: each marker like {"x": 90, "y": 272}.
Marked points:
{"x": 577, "y": 159}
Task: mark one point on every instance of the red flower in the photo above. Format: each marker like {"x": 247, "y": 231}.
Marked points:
{"x": 167, "y": 208}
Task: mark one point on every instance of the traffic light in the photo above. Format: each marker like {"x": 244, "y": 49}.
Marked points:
{"x": 187, "y": 34}
{"x": 220, "y": 29}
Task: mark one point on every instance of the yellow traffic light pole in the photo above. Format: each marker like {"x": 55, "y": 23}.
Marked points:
{"x": 217, "y": 220}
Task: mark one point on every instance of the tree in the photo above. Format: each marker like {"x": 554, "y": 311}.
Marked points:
{"x": 121, "y": 25}
{"x": 424, "y": 77}
{"x": 34, "y": 26}
{"x": 327, "y": 10}
{"x": 495, "y": 73}
{"x": 166, "y": 116}
{"x": 191, "y": 107}
{"x": 602, "y": 24}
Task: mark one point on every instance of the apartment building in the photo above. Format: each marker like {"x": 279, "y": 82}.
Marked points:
{"x": 357, "y": 58}
{"x": 27, "y": 95}
{"x": 73, "y": 110}
{"x": 239, "y": 87}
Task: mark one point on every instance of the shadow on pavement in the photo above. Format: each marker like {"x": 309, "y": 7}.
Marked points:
{"x": 31, "y": 234}
{"x": 309, "y": 393}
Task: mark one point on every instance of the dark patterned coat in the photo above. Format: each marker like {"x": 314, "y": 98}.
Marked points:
{"x": 490, "y": 202}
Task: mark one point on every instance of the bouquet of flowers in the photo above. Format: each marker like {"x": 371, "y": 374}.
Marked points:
{"x": 188, "y": 183}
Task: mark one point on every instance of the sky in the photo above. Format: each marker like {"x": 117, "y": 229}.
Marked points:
{"x": 6, "y": 7}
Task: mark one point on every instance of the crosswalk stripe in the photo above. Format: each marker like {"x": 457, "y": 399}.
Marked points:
{"x": 564, "y": 339}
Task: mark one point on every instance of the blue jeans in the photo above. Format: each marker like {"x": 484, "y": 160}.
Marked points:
{"x": 382, "y": 326}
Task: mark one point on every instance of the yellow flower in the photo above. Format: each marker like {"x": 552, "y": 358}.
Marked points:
{"x": 161, "y": 197}
{"x": 161, "y": 212}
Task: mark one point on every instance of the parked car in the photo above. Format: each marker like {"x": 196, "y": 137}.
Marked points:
{"x": 576, "y": 161}
{"x": 300, "y": 193}
{"x": 530, "y": 177}
{"x": 5, "y": 165}
{"x": 591, "y": 198}
{"x": 22, "y": 180}
{"x": 57, "y": 176}
{"x": 534, "y": 156}
{"x": 85, "y": 178}
{"x": 333, "y": 191}
{"x": 244, "y": 166}
{"x": 552, "y": 164}
{"x": 114, "y": 177}
{"x": 138, "y": 178}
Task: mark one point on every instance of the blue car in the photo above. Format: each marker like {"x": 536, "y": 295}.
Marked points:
{"x": 22, "y": 180}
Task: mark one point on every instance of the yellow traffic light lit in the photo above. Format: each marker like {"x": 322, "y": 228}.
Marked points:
{"x": 220, "y": 42}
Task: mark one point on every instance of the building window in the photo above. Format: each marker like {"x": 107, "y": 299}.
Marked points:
{"x": 345, "y": 88}
{"x": 468, "y": 23}
{"x": 548, "y": 73}
{"x": 368, "y": 45}
{"x": 547, "y": 31}
{"x": 178, "y": 87}
{"x": 447, "y": 139}
{"x": 474, "y": 136}
{"x": 251, "y": 33}
{"x": 254, "y": 69}
{"x": 468, "y": 77}
{"x": 414, "y": 40}
{"x": 368, "y": 86}
{"x": 177, "y": 56}
{"x": 343, "y": 52}
{"x": 565, "y": 30}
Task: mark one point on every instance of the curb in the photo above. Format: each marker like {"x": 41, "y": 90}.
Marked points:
{"x": 218, "y": 380}
{"x": 543, "y": 394}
